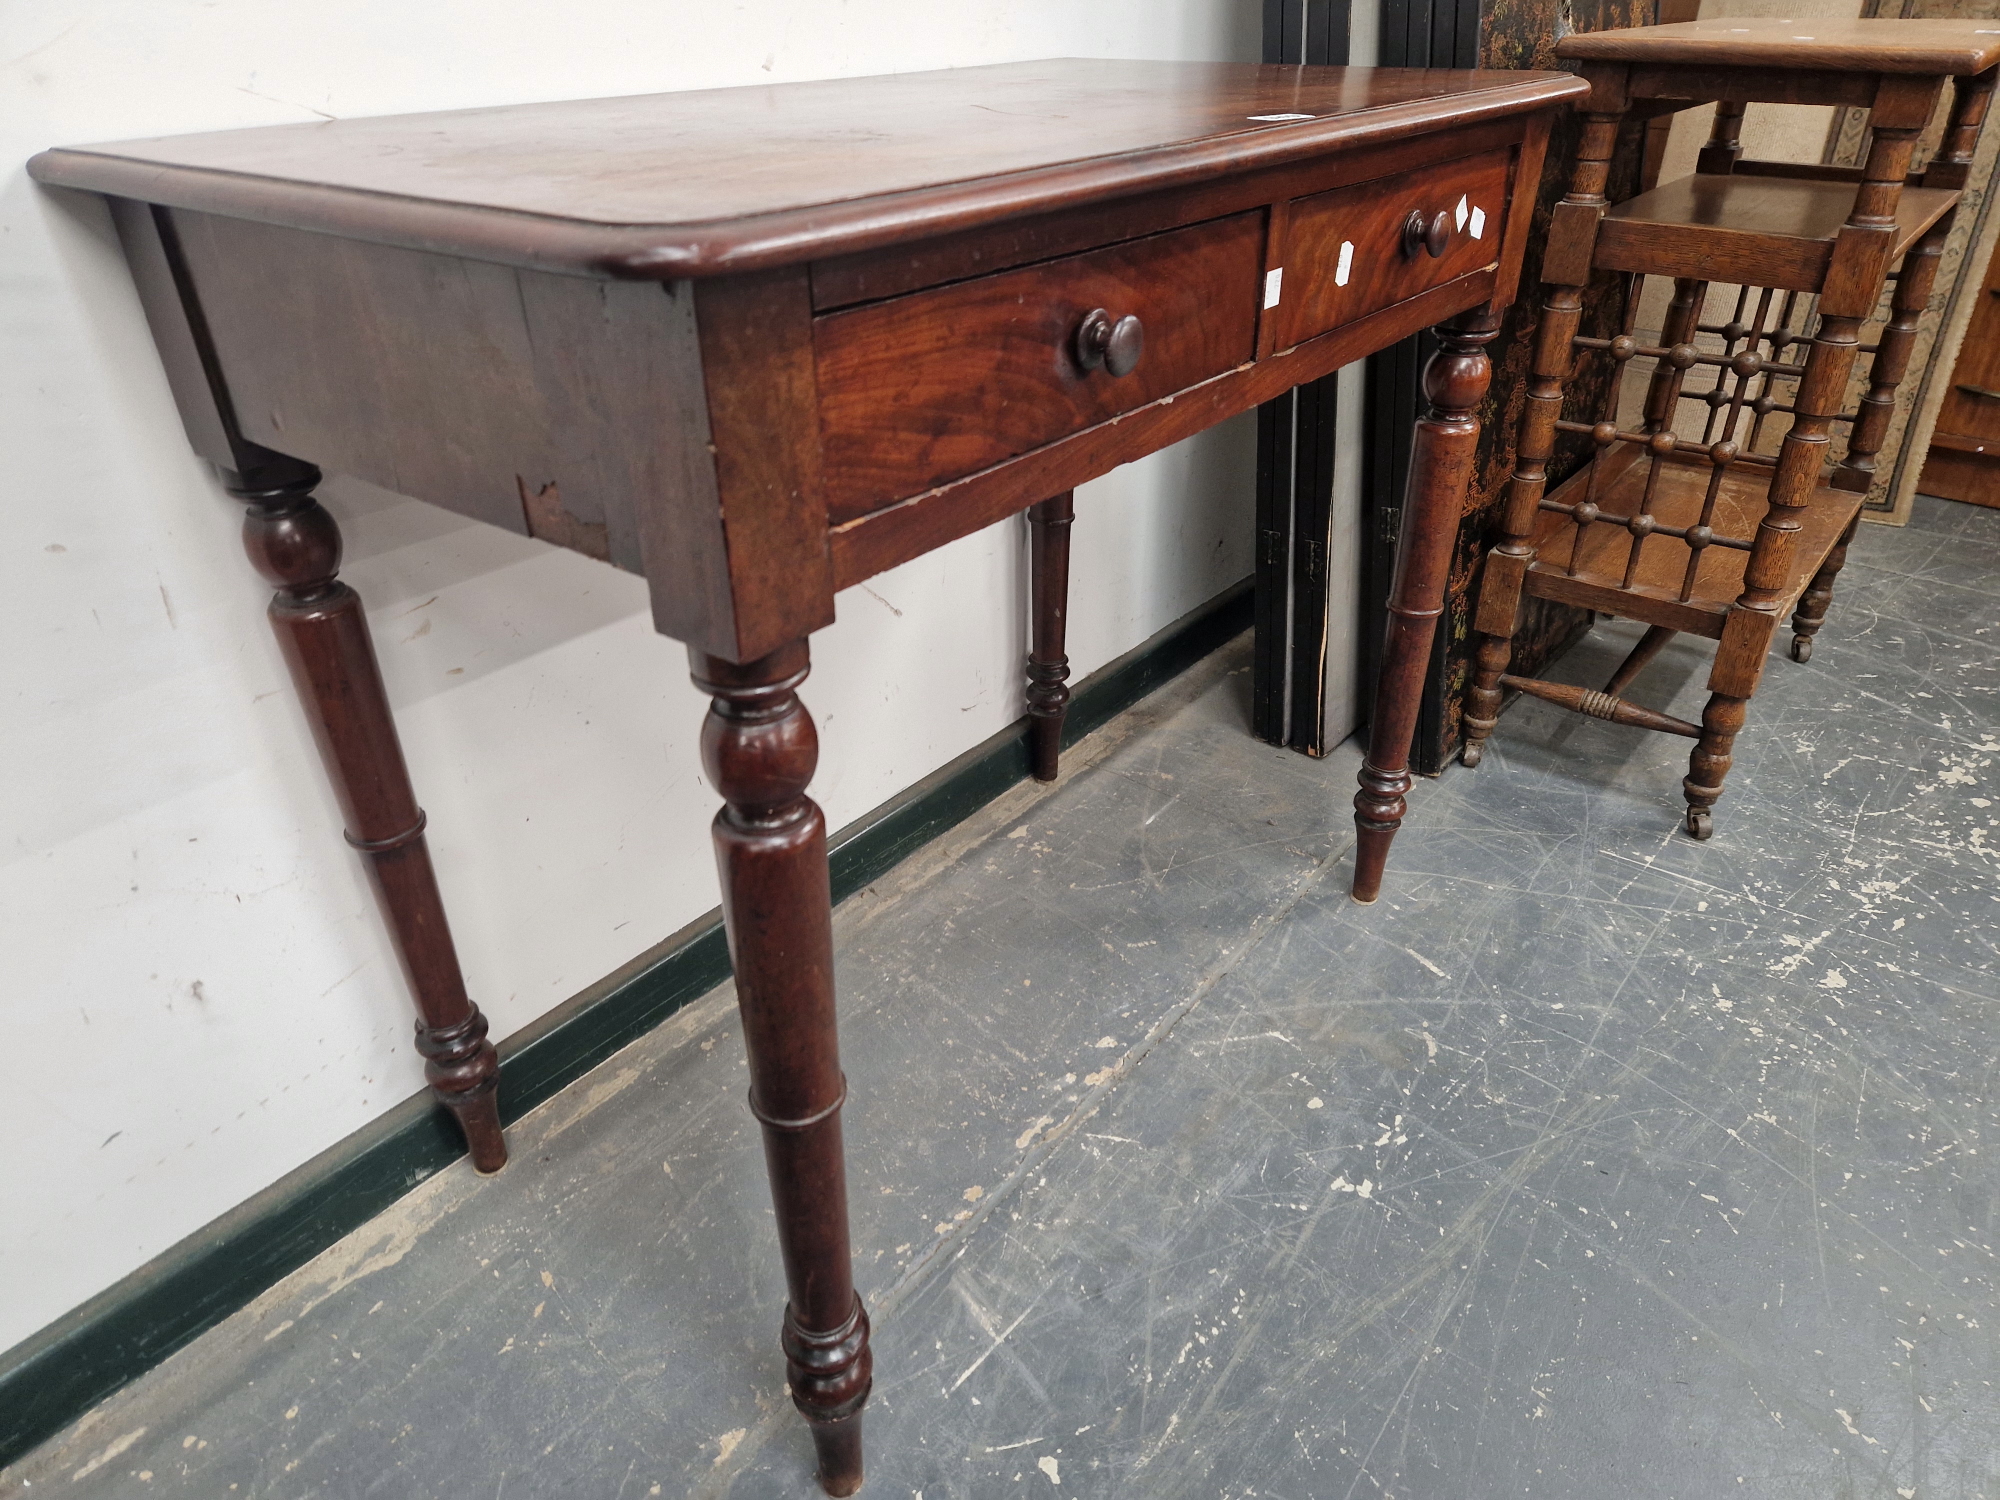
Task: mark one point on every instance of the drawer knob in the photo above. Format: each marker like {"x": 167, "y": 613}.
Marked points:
{"x": 1421, "y": 234}
{"x": 1116, "y": 346}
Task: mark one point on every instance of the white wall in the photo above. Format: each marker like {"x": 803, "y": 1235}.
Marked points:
{"x": 197, "y": 995}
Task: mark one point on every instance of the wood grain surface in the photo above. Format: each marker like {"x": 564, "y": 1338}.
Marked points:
{"x": 1368, "y": 219}
{"x": 1754, "y": 230}
{"x": 909, "y": 528}
{"x": 926, "y": 388}
{"x": 1598, "y": 582}
{"x": 717, "y": 180}
{"x": 1818, "y": 42}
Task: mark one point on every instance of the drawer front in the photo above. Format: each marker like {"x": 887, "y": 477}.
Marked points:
{"x": 1972, "y": 411}
{"x": 930, "y": 387}
{"x": 1972, "y": 405}
{"x": 1346, "y": 253}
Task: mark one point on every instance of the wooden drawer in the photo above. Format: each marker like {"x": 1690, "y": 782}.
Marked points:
{"x": 1970, "y": 418}
{"x": 1344, "y": 251}
{"x": 932, "y": 386}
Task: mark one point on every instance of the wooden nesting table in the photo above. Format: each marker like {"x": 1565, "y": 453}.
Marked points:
{"x": 759, "y": 344}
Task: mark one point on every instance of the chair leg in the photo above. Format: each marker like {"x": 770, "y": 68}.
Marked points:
{"x": 1481, "y": 714}
{"x": 1500, "y": 587}
{"x": 1856, "y": 471}
{"x": 1739, "y": 666}
{"x": 1504, "y": 575}
{"x": 1721, "y": 722}
{"x": 1811, "y": 613}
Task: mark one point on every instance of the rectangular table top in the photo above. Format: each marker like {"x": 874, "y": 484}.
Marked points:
{"x": 704, "y": 182}
{"x": 1864, "y": 45}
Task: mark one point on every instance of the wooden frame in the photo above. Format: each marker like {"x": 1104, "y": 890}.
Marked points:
{"x": 1778, "y": 231}
{"x": 642, "y": 363}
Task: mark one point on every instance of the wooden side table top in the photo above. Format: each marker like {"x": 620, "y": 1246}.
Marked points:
{"x": 873, "y": 288}
{"x": 1938, "y": 48}
{"x": 710, "y": 181}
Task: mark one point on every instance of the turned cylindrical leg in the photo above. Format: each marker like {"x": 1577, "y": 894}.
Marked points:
{"x": 1877, "y": 408}
{"x": 759, "y": 747}
{"x": 1951, "y": 165}
{"x": 1048, "y": 669}
{"x": 1853, "y": 284}
{"x": 1455, "y": 382}
{"x": 323, "y": 632}
{"x": 1506, "y": 567}
{"x": 1709, "y": 764}
{"x": 1724, "y": 147}
{"x": 1811, "y": 613}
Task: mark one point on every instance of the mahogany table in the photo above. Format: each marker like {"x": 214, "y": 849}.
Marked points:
{"x": 758, "y": 344}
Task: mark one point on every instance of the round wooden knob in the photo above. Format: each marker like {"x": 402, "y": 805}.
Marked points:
{"x": 1432, "y": 234}
{"x": 1116, "y": 346}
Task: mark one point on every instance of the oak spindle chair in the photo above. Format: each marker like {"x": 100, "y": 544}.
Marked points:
{"x": 1708, "y": 536}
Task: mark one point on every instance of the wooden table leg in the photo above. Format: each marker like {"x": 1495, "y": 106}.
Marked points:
{"x": 759, "y": 747}
{"x": 1455, "y": 381}
{"x": 1048, "y": 669}
{"x": 323, "y": 632}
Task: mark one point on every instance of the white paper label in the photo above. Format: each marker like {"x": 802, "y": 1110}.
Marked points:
{"x": 1346, "y": 263}
{"x": 1460, "y": 213}
{"x": 1262, "y": 118}
{"x": 1274, "y": 285}
{"x": 1479, "y": 223}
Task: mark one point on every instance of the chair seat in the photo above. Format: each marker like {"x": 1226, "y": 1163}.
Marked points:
{"x": 1766, "y": 231}
{"x": 1654, "y": 597}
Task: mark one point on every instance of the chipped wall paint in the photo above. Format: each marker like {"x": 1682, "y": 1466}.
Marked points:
{"x": 200, "y": 985}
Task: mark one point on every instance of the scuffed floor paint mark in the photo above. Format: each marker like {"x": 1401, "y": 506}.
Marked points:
{"x": 1427, "y": 963}
{"x": 109, "y": 1452}
{"x": 1853, "y": 1431}
{"x": 376, "y": 1246}
{"x": 1021, "y": 1141}
{"x": 600, "y": 1093}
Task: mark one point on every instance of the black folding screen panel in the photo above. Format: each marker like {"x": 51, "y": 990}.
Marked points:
{"x": 1295, "y": 433}
{"x": 1429, "y": 34}
{"x": 1295, "y": 471}
{"x": 1306, "y": 31}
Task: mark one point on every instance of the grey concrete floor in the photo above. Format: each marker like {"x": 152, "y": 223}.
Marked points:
{"x": 1591, "y": 1162}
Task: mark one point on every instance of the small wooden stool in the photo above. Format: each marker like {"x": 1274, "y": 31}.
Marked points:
{"x": 1710, "y": 537}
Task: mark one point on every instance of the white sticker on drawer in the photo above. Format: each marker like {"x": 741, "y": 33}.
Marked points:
{"x": 1274, "y": 285}
{"x": 1479, "y": 223}
{"x": 1460, "y": 213}
{"x": 1346, "y": 263}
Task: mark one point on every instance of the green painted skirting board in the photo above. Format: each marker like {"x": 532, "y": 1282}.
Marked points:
{"x": 58, "y": 1374}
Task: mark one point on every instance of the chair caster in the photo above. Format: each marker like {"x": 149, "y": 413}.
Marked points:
{"x": 1699, "y": 825}
{"x": 1471, "y": 753}
{"x": 1802, "y": 648}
